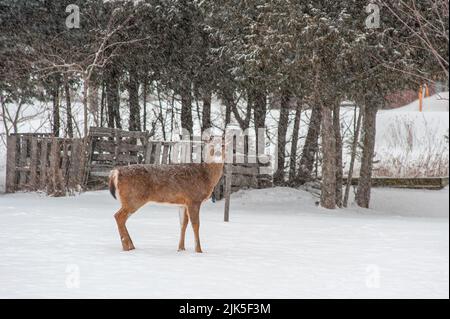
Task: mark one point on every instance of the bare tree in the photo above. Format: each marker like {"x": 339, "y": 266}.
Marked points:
{"x": 294, "y": 144}
{"x": 50, "y": 59}
{"x": 338, "y": 150}
{"x": 427, "y": 23}
{"x": 354, "y": 148}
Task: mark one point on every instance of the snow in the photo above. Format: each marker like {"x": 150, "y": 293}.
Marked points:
{"x": 434, "y": 103}
{"x": 410, "y": 143}
{"x": 278, "y": 244}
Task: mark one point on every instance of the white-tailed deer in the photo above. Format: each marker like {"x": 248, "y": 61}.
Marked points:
{"x": 184, "y": 185}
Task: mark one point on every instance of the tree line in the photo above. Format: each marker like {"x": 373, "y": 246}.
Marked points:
{"x": 312, "y": 55}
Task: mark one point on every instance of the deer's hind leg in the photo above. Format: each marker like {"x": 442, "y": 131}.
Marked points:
{"x": 184, "y": 223}
{"x": 121, "y": 218}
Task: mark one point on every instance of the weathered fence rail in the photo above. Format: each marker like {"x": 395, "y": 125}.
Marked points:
{"x": 41, "y": 162}
{"x": 412, "y": 183}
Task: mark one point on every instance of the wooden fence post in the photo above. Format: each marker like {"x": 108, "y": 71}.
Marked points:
{"x": 11, "y": 148}
{"x": 43, "y": 163}
{"x": 74, "y": 164}
{"x": 33, "y": 164}
{"x": 85, "y": 161}
{"x": 23, "y": 161}
{"x": 148, "y": 153}
{"x": 54, "y": 168}
{"x": 228, "y": 177}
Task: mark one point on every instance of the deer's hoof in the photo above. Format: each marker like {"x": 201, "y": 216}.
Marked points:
{"x": 128, "y": 248}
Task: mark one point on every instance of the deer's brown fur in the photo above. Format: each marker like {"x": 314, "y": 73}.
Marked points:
{"x": 185, "y": 185}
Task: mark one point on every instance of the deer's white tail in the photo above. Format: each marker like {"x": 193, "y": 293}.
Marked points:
{"x": 113, "y": 182}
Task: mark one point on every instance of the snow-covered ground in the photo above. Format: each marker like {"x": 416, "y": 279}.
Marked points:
{"x": 277, "y": 245}
{"x": 410, "y": 143}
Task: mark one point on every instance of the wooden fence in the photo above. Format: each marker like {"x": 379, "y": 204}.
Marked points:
{"x": 41, "y": 162}
{"x": 58, "y": 165}
{"x": 113, "y": 147}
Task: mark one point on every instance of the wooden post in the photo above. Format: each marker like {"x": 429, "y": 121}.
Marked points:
{"x": 74, "y": 164}
{"x": 43, "y": 164}
{"x": 148, "y": 153}
{"x": 157, "y": 153}
{"x": 65, "y": 163}
{"x": 228, "y": 177}
{"x": 33, "y": 164}
{"x": 421, "y": 98}
{"x": 85, "y": 161}
{"x": 23, "y": 161}
{"x": 165, "y": 154}
{"x": 54, "y": 167}
{"x": 118, "y": 140}
{"x": 175, "y": 154}
{"x": 218, "y": 194}
{"x": 11, "y": 149}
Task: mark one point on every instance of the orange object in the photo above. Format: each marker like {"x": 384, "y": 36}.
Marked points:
{"x": 421, "y": 98}
{"x": 427, "y": 90}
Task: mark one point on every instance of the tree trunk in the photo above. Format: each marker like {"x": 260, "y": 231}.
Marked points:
{"x": 93, "y": 100}
{"x": 282, "y": 131}
{"x": 244, "y": 123}
{"x": 186, "y": 109}
{"x": 133, "y": 100}
{"x": 206, "y": 117}
{"x": 145, "y": 89}
{"x": 56, "y": 106}
{"x": 365, "y": 175}
{"x": 260, "y": 110}
{"x": 338, "y": 138}
{"x": 228, "y": 98}
{"x": 112, "y": 99}
{"x": 311, "y": 146}
{"x": 357, "y": 129}
{"x": 294, "y": 145}
{"x": 102, "y": 105}
{"x": 69, "y": 123}
{"x": 328, "y": 194}
{"x": 85, "y": 106}
{"x": 353, "y": 156}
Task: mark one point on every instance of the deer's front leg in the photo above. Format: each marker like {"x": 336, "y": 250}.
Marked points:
{"x": 184, "y": 223}
{"x": 194, "y": 216}
{"x": 121, "y": 218}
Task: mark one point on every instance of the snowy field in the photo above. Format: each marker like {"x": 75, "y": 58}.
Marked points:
{"x": 277, "y": 245}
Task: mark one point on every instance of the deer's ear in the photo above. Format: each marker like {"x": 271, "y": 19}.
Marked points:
{"x": 211, "y": 151}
